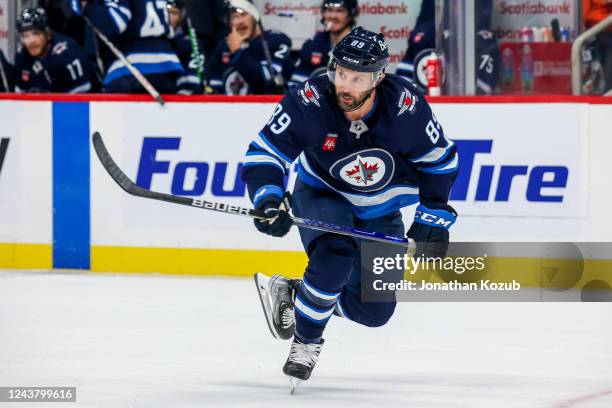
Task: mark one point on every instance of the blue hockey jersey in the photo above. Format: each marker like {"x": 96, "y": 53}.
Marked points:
{"x": 246, "y": 71}
{"x": 397, "y": 155}
{"x": 140, "y": 30}
{"x": 314, "y": 57}
{"x": 64, "y": 68}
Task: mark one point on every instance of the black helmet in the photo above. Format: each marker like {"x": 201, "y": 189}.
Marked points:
{"x": 32, "y": 19}
{"x": 361, "y": 50}
{"x": 349, "y": 5}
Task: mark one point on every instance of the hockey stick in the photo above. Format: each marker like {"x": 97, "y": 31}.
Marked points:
{"x": 196, "y": 55}
{"x": 132, "y": 188}
{"x": 277, "y": 77}
{"x": 137, "y": 74}
{"x": 3, "y": 76}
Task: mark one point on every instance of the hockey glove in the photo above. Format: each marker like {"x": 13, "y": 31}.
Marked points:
{"x": 276, "y": 210}
{"x": 430, "y": 230}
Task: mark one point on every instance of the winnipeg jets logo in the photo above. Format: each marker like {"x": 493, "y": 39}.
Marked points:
{"x": 366, "y": 170}
{"x": 407, "y": 102}
{"x": 420, "y": 61}
{"x": 362, "y": 172}
{"x": 235, "y": 84}
{"x": 309, "y": 94}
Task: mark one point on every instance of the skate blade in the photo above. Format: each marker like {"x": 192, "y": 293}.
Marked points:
{"x": 261, "y": 281}
{"x": 294, "y": 383}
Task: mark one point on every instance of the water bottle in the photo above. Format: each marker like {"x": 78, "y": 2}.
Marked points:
{"x": 527, "y": 69}
{"x": 507, "y": 67}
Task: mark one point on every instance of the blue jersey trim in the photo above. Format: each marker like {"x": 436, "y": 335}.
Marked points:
{"x": 156, "y": 68}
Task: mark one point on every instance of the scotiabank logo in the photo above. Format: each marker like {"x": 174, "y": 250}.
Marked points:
{"x": 4, "y": 142}
{"x": 541, "y": 179}
{"x": 532, "y": 7}
{"x": 379, "y": 8}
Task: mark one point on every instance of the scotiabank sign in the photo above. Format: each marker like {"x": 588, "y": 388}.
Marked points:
{"x": 509, "y": 16}
{"x": 394, "y": 19}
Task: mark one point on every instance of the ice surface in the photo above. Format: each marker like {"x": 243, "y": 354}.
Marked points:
{"x": 158, "y": 341}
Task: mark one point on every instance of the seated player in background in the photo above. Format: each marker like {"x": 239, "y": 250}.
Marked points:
{"x": 49, "y": 62}
{"x": 367, "y": 144}
{"x": 140, "y": 29}
{"x": 337, "y": 17}
{"x": 240, "y": 64}
{"x": 422, "y": 42}
{"x": 191, "y": 80}
{"x": 7, "y": 75}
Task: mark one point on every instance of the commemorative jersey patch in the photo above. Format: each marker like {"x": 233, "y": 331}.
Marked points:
{"x": 366, "y": 170}
{"x": 316, "y": 58}
{"x": 330, "y": 142}
{"x": 226, "y": 57}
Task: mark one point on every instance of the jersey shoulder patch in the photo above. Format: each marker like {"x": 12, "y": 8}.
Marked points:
{"x": 59, "y": 48}
{"x": 405, "y": 97}
{"x": 309, "y": 94}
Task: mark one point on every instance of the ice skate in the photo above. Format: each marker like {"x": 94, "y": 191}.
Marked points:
{"x": 276, "y": 295}
{"x": 301, "y": 361}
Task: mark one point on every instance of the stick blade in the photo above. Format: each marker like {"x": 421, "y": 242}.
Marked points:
{"x": 113, "y": 169}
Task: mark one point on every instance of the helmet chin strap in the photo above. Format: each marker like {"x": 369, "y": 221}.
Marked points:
{"x": 365, "y": 98}
{"x": 360, "y": 104}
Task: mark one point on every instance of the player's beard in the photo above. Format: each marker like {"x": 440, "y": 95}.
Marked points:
{"x": 351, "y": 102}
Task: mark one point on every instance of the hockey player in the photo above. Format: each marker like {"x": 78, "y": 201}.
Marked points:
{"x": 140, "y": 29}
{"x": 422, "y": 42}
{"x": 49, "y": 62}
{"x": 239, "y": 64}
{"x": 338, "y": 17}
{"x": 189, "y": 82}
{"x": 367, "y": 144}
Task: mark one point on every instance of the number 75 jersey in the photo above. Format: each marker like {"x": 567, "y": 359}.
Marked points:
{"x": 396, "y": 155}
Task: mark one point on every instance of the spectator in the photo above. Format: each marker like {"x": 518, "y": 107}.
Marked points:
{"x": 190, "y": 82}
{"x": 7, "y": 75}
{"x": 239, "y": 64}
{"x": 140, "y": 28}
{"x": 49, "y": 62}
{"x": 594, "y": 11}
{"x": 338, "y": 17}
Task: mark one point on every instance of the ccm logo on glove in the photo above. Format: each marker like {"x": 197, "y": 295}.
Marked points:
{"x": 434, "y": 218}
